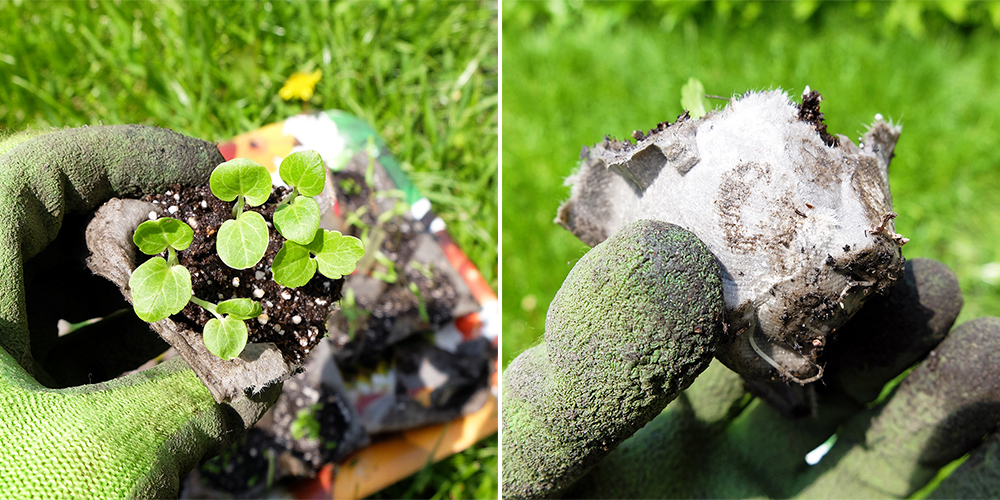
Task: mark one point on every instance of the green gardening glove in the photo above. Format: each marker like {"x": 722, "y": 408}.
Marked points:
{"x": 60, "y": 434}
{"x": 586, "y": 414}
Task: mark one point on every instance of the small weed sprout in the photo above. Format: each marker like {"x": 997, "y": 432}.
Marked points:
{"x": 421, "y": 303}
{"x": 355, "y": 315}
{"x": 305, "y": 424}
{"x": 374, "y": 260}
{"x": 390, "y": 275}
{"x": 372, "y": 237}
{"x": 427, "y": 270}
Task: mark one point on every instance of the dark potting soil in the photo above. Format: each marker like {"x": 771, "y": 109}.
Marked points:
{"x": 329, "y": 414}
{"x": 243, "y": 466}
{"x": 294, "y": 319}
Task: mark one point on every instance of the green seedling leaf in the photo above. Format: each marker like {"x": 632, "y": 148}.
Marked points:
{"x": 225, "y": 338}
{"x": 305, "y": 424}
{"x": 304, "y": 171}
{"x": 293, "y": 266}
{"x": 332, "y": 253}
{"x": 241, "y": 242}
{"x": 336, "y": 254}
{"x": 241, "y": 176}
{"x": 240, "y": 309}
{"x": 298, "y": 220}
{"x": 693, "y": 98}
{"x": 154, "y": 236}
{"x": 389, "y": 276}
{"x": 159, "y": 290}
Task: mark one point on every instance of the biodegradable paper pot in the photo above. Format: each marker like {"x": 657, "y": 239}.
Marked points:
{"x": 109, "y": 238}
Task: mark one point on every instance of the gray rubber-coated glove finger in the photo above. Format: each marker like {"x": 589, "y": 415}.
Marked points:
{"x": 128, "y": 437}
{"x": 716, "y": 440}
{"x": 635, "y": 322}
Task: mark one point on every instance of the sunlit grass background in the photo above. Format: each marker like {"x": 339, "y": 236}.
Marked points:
{"x": 424, "y": 74}
{"x": 575, "y": 71}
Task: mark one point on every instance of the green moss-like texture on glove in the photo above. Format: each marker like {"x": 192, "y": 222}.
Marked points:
{"x": 709, "y": 443}
{"x": 683, "y": 452}
{"x": 635, "y": 322}
{"x": 44, "y": 177}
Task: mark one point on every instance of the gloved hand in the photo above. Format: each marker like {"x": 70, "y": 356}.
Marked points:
{"x": 131, "y": 436}
{"x": 631, "y": 328}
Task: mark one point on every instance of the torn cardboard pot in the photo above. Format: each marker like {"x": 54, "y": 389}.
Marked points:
{"x": 800, "y": 221}
{"x": 113, "y": 255}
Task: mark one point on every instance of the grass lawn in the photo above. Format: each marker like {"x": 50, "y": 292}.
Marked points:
{"x": 424, "y": 74}
{"x": 574, "y": 72}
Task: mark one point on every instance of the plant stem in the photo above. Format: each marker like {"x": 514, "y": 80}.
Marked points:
{"x": 290, "y": 198}
{"x": 208, "y": 306}
{"x": 421, "y": 303}
{"x": 375, "y": 239}
{"x": 171, "y": 256}
{"x": 238, "y": 209}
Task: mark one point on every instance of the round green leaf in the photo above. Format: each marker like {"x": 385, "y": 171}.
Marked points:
{"x": 225, "y": 338}
{"x": 293, "y": 266}
{"x": 298, "y": 220}
{"x": 241, "y": 176}
{"x": 337, "y": 254}
{"x": 154, "y": 236}
{"x": 159, "y": 290}
{"x": 304, "y": 171}
{"x": 240, "y": 308}
{"x": 242, "y": 242}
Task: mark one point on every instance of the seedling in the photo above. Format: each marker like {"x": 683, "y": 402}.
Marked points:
{"x": 162, "y": 287}
{"x": 355, "y": 315}
{"x": 307, "y": 247}
{"x": 297, "y": 217}
{"x": 389, "y": 275}
{"x": 305, "y": 424}
{"x": 350, "y": 187}
{"x": 330, "y": 252}
{"x": 427, "y": 270}
{"x": 372, "y": 237}
{"x": 242, "y": 241}
{"x": 421, "y": 303}
{"x": 226, "y": 333}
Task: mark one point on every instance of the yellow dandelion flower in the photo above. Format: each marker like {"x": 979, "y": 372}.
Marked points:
{"x": 300, "y": 85}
